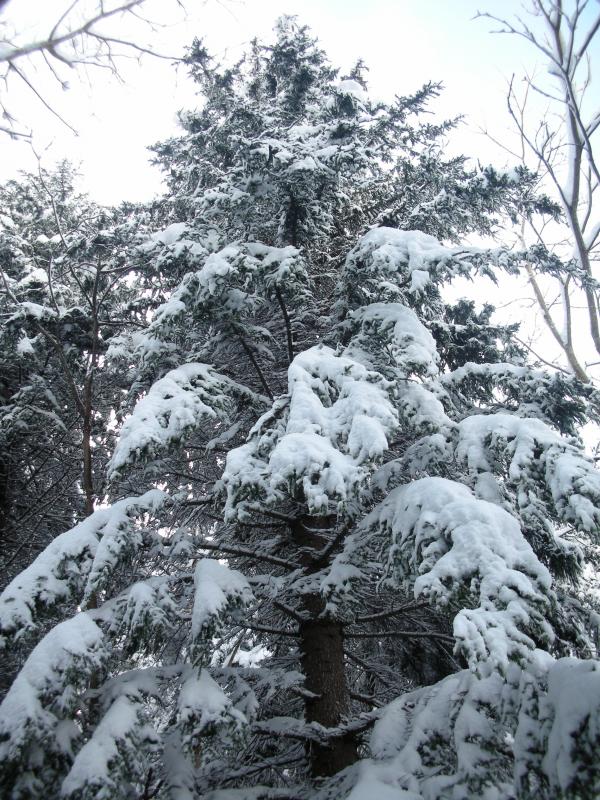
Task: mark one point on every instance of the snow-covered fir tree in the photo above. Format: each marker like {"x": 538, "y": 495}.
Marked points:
{"x": 339, "y": 551}
{"x": 63, "y": 293}
{"x": 63, "y": 296}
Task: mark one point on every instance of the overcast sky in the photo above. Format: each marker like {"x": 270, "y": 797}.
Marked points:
{"x": 404, "y": 42}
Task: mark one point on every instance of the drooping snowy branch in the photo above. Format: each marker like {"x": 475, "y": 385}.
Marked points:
{"x": 218, "y": 591}
{"x": 183, "y": 400}
{"x": 448, "y": 545}
{"x": 232, "y": 282}
{"x": 531, "y": 449}
{"x": 397, "y": 330}
{"x": 321, "y": 444}
{"x": 73, "y": 563}
{"x": 469, "y": 735}
{"x": 36, "y": 716}
{"x": 113, "y": 754}
{"x": 202, "y": 705}
{"x": 556, "y": 399}
{"x": 397, "y": 266}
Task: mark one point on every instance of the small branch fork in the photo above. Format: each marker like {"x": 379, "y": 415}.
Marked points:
{"x": 70, "y": 44}
{"x": 55, "y": 39}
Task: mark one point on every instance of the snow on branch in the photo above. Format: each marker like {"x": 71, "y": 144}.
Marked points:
{"x": 319, "y": 445}
{"x": 557, "y": 399}
{"x": 35, "y": 716}
{"x": 111, "y": 756}
{"x": 218, "y": 591}
{"x": 146, "y": 613}
{"x": 76, "y": 558}
{"x": 184, "y": 399}
{"x": 454, "y": 548}
{"x": 532, "y": 449}
{"x": 467, "y": 736}
{"x": 230, "y": 287}
{"x": 398, "y": 330}
{"x": 230, "y": 281}
{"x": 203, "y": 705}
{"x": 558, "y": 733}
{"x": 390, "y": 265}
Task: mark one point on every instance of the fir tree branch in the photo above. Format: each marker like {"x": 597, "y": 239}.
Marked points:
{"x": 256, "y": 366}
{"x": 401, "y": 634}
{"x": 244, "y": 552}
{"x": 393, "y": 612}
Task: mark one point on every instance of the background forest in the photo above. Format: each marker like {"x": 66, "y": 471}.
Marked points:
{"x": 281, "y": 515}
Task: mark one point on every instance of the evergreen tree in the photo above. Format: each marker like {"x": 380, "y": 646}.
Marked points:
{"x": 62, "y": 260}
{"x": 62, "y": 263}
{"x": 346, "y": 518}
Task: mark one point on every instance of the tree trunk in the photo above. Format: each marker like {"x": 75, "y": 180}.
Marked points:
{"x": 88, "y": 401}
{"x": 4, "y": 494}
{"x": 322, "y": 648}
{"x": 87, "y": 473}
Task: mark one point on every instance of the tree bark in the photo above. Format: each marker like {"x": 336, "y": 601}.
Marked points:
{"x": 322, "y": 649}
{"x": 88, "y": 400}
{"x": 87, "y": 474}
{"x": 4, "y": 494}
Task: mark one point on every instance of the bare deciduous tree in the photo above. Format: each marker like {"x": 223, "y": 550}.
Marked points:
{"x": 561, "y": 143}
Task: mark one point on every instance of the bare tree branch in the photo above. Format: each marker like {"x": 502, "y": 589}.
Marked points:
{"x": 73, "y": 41}
{"x": 563, "y": 152}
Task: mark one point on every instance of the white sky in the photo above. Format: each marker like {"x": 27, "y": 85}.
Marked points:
{"x": 404, "y": 42}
